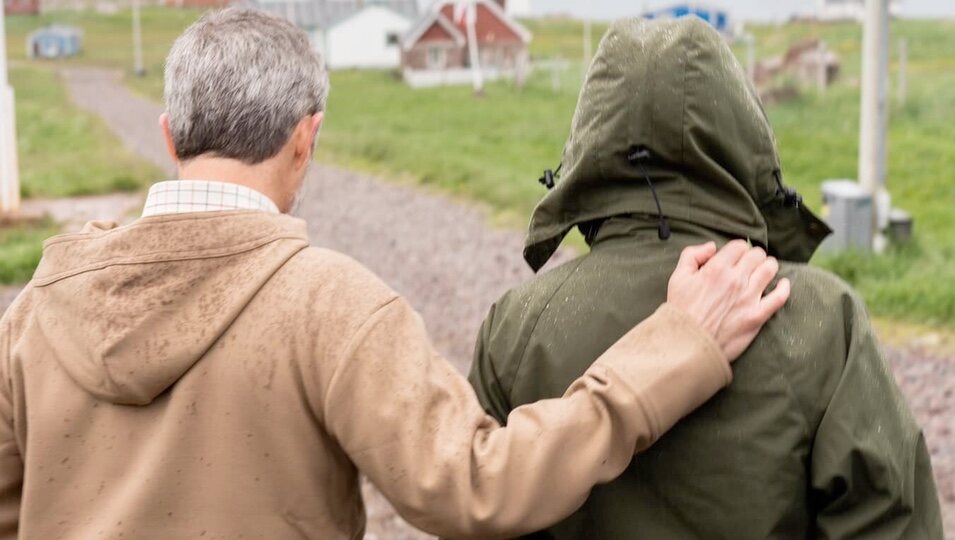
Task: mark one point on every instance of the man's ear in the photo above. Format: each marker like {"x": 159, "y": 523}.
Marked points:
{"x": 306, "y": 134}
{"x": 315, "y": 125}
{"x": 167, "y": 136}
{"x": 317, "y": 120}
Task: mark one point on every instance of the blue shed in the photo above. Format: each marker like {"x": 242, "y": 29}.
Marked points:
{"x": 718, "y": 18}
{"x": 55, "y": 41}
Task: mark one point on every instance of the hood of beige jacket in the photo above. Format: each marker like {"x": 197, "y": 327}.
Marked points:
{"x": 129, "y": 310}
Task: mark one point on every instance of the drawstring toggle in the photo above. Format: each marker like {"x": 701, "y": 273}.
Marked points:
{"x": 638, "y": 156}
{"x": 549, "y": 180}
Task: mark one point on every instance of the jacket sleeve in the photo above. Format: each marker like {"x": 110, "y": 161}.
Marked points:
{"x": 411, "y": 423}
{"x": 870, "y": 470}
{"x": 491, "y": 391}
{"x": 11, "y": 465}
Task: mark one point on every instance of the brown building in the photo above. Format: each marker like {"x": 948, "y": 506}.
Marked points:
{"x": 437, "y": 50}
{"x": 21, "y": 7}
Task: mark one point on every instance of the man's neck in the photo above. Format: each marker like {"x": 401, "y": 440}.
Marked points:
{"x": 260, "y": 177}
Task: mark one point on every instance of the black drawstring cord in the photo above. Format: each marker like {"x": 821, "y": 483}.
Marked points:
{"x": 549, "y": 178}
{"x": 637, "y": 157}
{"x": 791, "y": 198}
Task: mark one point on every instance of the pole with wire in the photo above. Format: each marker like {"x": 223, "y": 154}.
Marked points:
{"x": 9, "y": 173}
{"x": 873, "y": 126}
{"x": 475, "y": 56}
{"x": 138, "y": 68}
{"x": 588, "y": 44}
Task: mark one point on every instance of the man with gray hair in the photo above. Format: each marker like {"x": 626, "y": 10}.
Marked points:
{"x": 203, "y": 372}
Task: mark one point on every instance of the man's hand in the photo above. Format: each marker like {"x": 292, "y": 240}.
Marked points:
{"x": 724, "y": 292}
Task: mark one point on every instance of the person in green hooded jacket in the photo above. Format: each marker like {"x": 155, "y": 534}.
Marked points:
{"x": 669, "y": 147}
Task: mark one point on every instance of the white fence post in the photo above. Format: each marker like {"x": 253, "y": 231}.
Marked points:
{"x": 9, "y": 173}
{"x": 902, "y": 92}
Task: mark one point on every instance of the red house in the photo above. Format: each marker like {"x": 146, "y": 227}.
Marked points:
{"x": 21, "y": 7}
{"x": 437, "y": 50}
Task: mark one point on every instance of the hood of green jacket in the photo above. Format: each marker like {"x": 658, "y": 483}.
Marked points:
{"x": 674, "y": 89}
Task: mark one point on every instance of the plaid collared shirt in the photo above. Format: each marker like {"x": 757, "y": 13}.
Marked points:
{"x": 185, "y": 196}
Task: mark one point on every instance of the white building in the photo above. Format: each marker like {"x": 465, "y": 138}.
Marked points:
{"x": 351, "y": 34}
{"x": 369, "y": 39}
{"x": 849, "y": 10}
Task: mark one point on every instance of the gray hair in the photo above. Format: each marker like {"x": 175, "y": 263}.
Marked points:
{"x": 238, "y": 81}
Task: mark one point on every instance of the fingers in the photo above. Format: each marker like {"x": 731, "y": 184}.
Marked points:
{"x": 730, "y": 255}
{"x": 694, "y": 257}
{"x": 761, "y": 277}
{"x": 773, "y": 302}
{"x": 751, "y": 261}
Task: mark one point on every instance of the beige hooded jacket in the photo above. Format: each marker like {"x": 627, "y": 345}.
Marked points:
{"x": 210, "y": 375}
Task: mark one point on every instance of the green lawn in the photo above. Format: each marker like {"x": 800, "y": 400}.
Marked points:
{"x": 20, "y": 250}
{"x": 64, "y": 151}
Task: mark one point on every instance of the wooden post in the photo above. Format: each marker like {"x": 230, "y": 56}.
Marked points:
{"x": 873, "y": 148}
{"x": 750, "y": 40}
{"x": 9, "y": 172}
{"x": 556, "y": 72}
{"x": 822, "y": 73}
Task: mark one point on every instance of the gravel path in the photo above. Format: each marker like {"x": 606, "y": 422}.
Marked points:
{"x": 451, "y": 265}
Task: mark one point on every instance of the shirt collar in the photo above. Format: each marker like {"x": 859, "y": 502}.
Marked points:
{"x": 186, "y": 196}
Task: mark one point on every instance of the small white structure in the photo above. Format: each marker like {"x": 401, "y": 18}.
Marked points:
{"x": 56, "y": 41}
{"x": 369, "y": 39}
{"x": 849, "y": 10}
{"x": 359, "y": 34}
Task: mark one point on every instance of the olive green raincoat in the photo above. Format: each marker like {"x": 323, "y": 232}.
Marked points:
{"x": 813, "y": 438}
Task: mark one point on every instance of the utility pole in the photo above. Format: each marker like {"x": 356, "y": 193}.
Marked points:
{"x": 588, "y": 44}
{"x": 9, "y": 173}
{"x": 750, "y": 41}
{"x": 873, "y": 136}
{"x": 475, "y": 56}
{"x": 138, "y": 67}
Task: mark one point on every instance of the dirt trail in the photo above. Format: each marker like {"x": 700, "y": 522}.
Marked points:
{"x": 451, "y": 265}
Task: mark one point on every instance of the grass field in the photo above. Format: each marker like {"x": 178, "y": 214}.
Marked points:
{"x": 20, "y": 250}
{"x": 64, "y": 151}
{"x": 492, "y": 149}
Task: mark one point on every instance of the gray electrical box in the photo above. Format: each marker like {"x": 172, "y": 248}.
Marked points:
{"x": 849, "y": 212}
